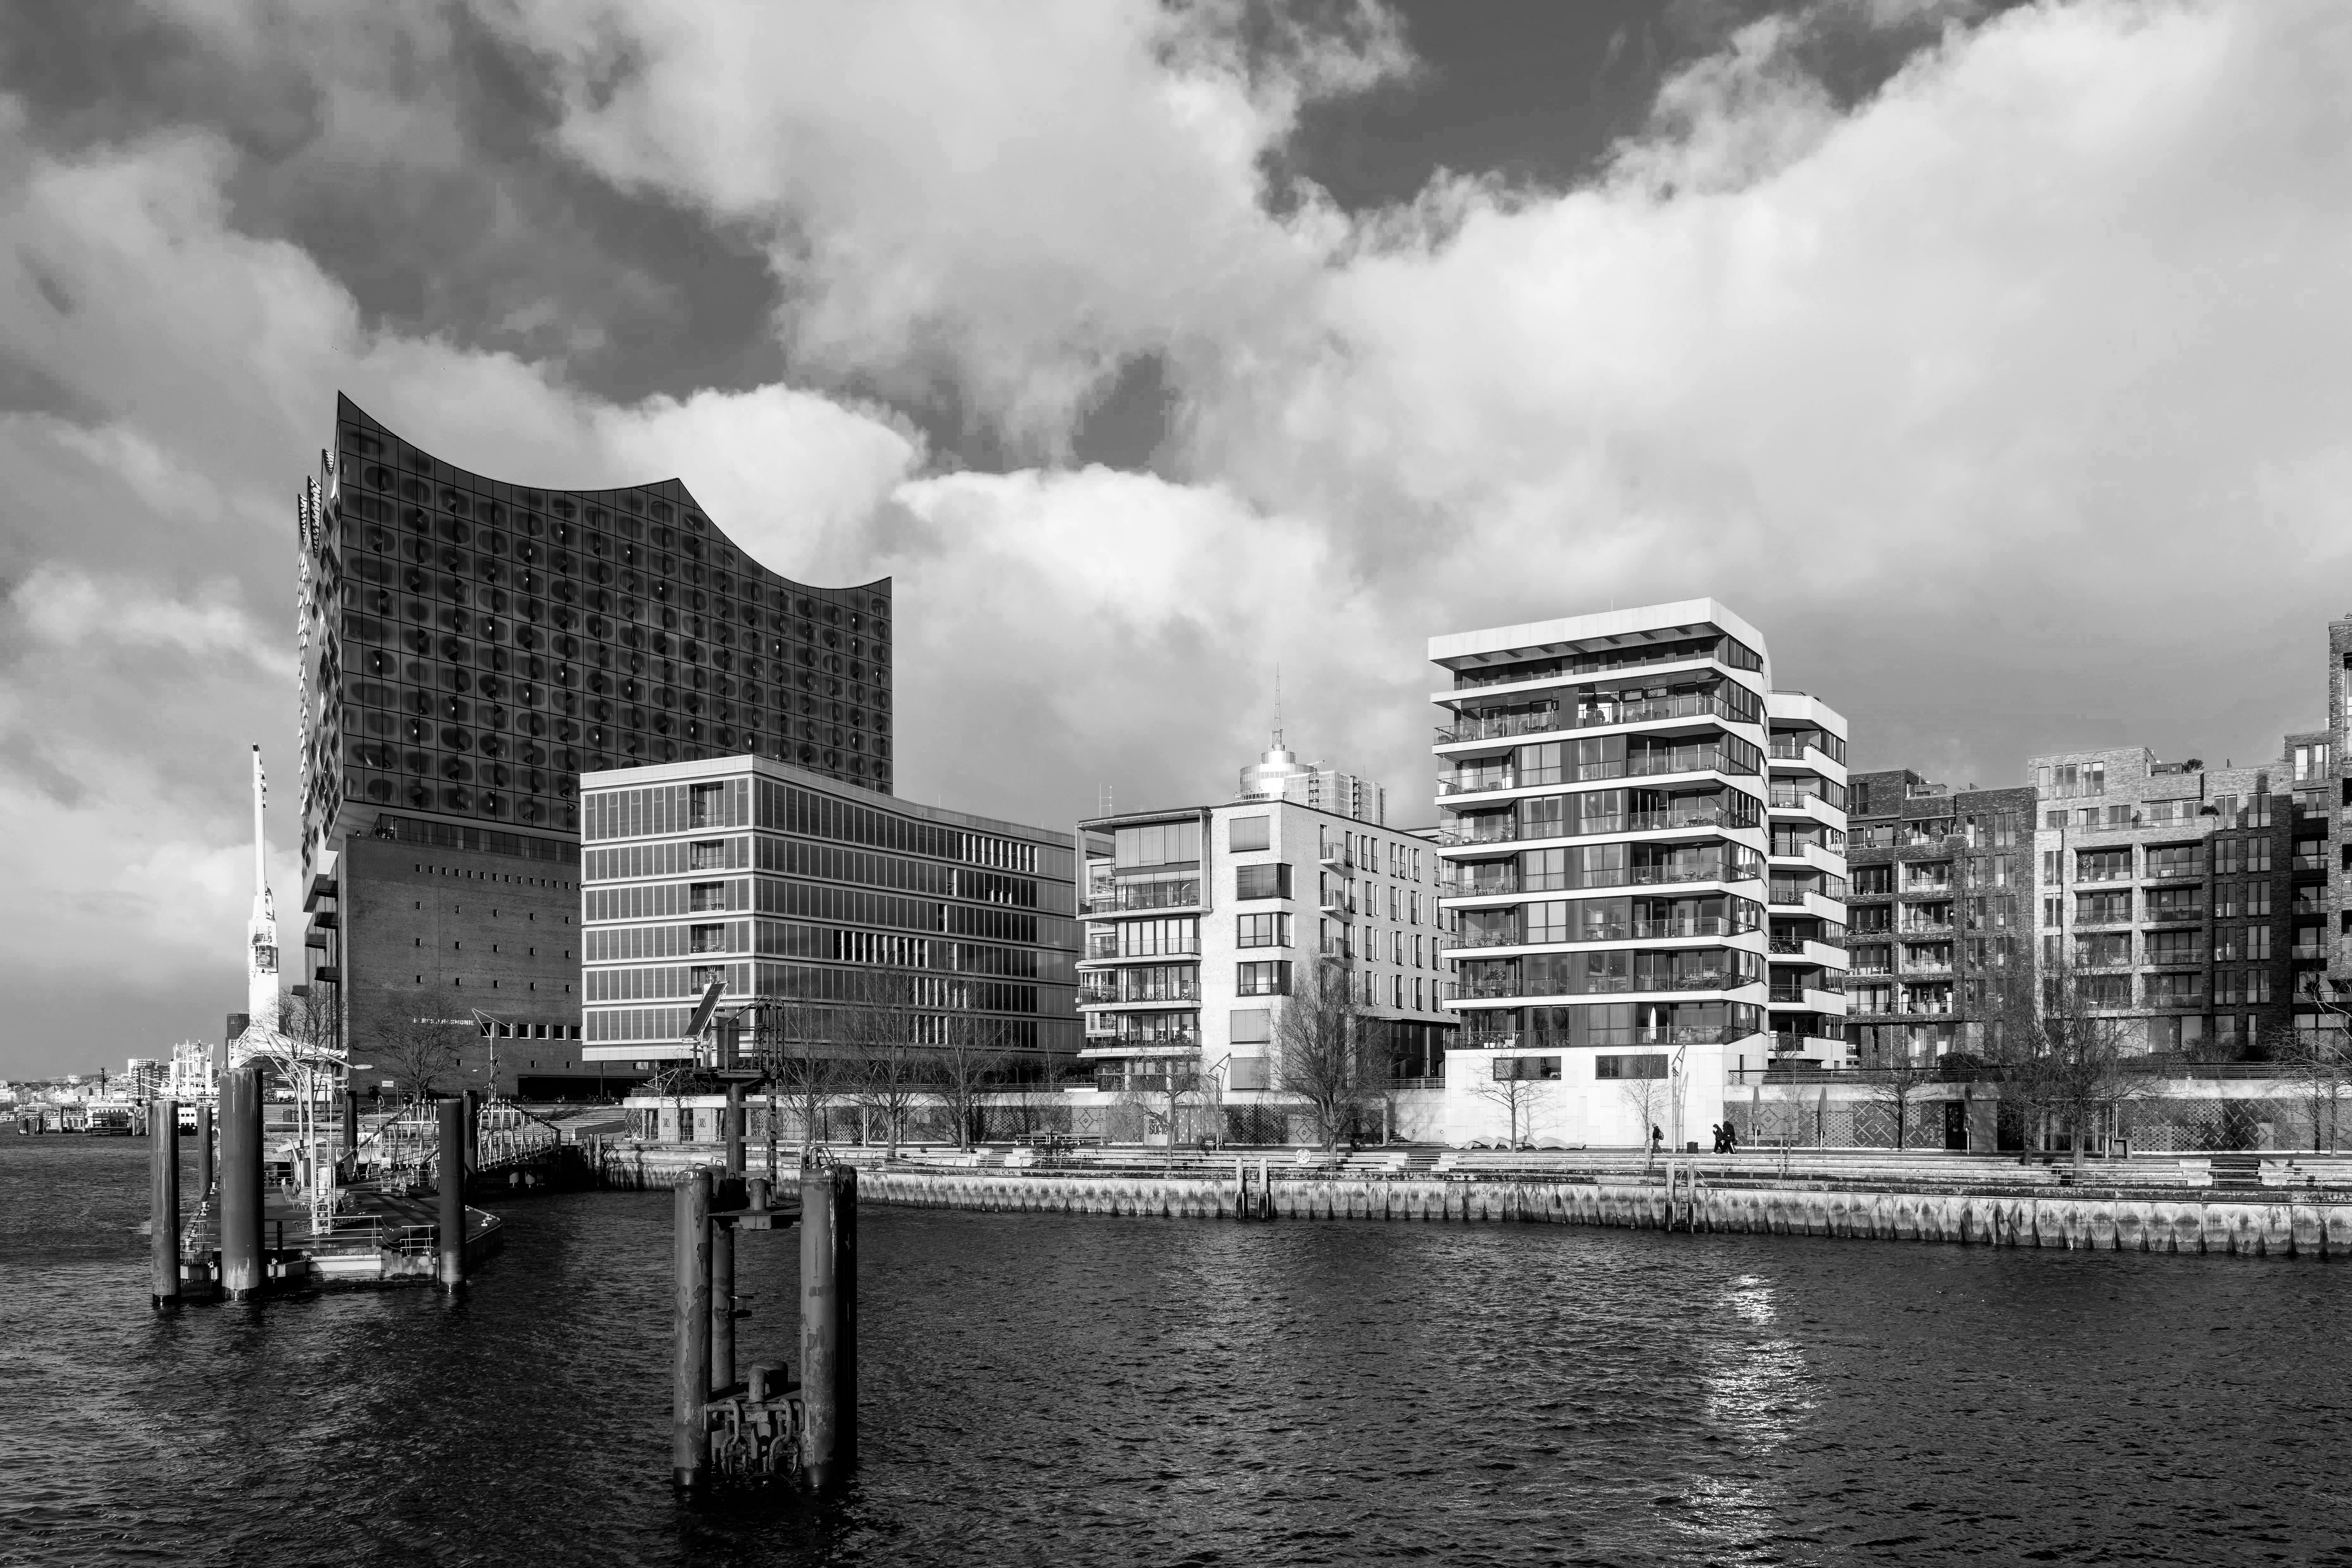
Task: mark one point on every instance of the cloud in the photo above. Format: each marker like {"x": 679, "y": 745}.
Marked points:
{"x": 1020, "y": 197}
{"x": 2009, "y": 399}
{"x": 68, "y": 608}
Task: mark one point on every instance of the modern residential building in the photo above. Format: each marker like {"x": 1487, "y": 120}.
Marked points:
{"x": 1805, "y": 809}
{"x": 1203, "y": 921}
{"x": 1606, "y": 840}
{"x": 2186, "y": 899}
{"x": 1940, "y": 907}
{"x": 469, "y": 647}
{"x": 816, "y": 897}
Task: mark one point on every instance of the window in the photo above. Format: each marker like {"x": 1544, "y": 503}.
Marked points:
{"x": 1263, "y": 979}
{"x": 705, "y": 807}
{"x": 2104, "y": 949}
{"x": 2107, "y": 990}
{"x": 2174, "y": 947}
{"x": 2103, "y": 864}
{"x": 1629, "y": 1066}
{"x": 707, "y": 939}
{"x": 2258, "y": 854}
{"x": 2258, "y": 898}
{"x": 708, "y": 854}
{"x": 1159, "y": 844}
{"x": 2053, "y": 864}
{"x": 1542, "y": 1068}
{"x": 1263, "y": 930}
{"x": 1244, "y": 833}
{"x": 2229, "y": 856}
{"x": 2054, "y": 818}
{"x": 1262, "y": 881}
{"x": 2258, "y": 942}
{"x": 2053, "y": 912}
{"x": 1251, "y": 1026}
{"x": 2176, "y": 860}
{"x": 2103, "y": 908}
{"x": 701, "y": 895}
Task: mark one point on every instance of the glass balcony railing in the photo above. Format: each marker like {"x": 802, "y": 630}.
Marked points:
{"x": 1504, "y": 829}
{"x": 1587, "y": 716}
{"x": 1129, "y": 896}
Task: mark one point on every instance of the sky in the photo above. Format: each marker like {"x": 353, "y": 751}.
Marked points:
{"x": 1990, "y": 358}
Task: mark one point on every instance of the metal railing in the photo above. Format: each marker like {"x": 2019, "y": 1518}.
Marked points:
{"x": 1587, "y": 716}
{"x": 1146, "y": 896}
{"x": 1505, "y": 830}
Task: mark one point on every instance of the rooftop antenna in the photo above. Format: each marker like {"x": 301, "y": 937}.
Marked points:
{"x": 1277, "y": 706}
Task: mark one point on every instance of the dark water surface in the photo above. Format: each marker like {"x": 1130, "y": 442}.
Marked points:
{"x": 1043, "y": 1390}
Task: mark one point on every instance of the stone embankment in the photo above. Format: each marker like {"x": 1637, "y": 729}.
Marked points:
{"x": 1974, "y": 1203}
{"x": 2279, "y": 1228}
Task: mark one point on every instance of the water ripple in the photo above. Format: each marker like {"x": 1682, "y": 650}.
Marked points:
{"x": 1046, "y": 1391}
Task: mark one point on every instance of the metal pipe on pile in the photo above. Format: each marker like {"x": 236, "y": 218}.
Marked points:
{"x": 722, "y": 1306}
{"x": 451, "y": 1182}
{"x": 164, "y": 1206}
{"x": 204, "y": 1152}
{"x": 690, "y": 1348}
{"x": 820, "y": 1341}
{"x": 244, "y": 1271}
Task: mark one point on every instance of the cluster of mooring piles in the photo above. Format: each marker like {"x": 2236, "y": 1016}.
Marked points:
{"x": 766, "y": 1426}
{"x": 239, "y": 1242}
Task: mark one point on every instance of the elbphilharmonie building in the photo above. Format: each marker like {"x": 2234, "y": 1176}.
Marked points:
{"x": 469, "y": 647}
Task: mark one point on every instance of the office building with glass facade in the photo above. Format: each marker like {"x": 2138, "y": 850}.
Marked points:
{"x": 1608, "y": 842}
{"x": 469, "y": 647}
{"x": 817, "y": 900}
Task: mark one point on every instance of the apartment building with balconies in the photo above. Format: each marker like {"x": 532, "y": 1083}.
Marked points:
{"x": 1805, "y": 809}
{"x": 2182, "y": 898}
{"x": 1939, "y": 901}
{"x": 1607, "y": 842}
{"x": 1202, "y": 922}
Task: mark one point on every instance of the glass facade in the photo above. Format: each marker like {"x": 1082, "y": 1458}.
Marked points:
{"x": 473, "y": 646}
{"x": 798, "y": 891}
{"x": 1682, "y": 707}
{"x": 467, "y": 648}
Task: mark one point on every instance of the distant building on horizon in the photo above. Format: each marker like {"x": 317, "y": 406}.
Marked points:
{"x": 1278, "y": 775}
{"x": 470, "y": 646}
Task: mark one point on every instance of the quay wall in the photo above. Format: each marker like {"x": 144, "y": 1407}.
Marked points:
{"x": 2276, "y": 1228}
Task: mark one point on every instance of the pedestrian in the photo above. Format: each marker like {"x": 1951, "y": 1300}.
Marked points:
{"x": 1658, "y": 1139}
{"x": 1730, "y": 1138}
{"x": 1715, "y": 1130}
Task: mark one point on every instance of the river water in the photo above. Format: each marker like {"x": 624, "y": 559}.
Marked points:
{"x": 1043, "y": 1390}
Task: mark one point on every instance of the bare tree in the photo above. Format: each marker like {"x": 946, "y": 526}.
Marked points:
{"x": 1325, "y": 1051}
{"x": 1900, "y": 1075}
{"x": 2064, "y": 1053}
{"x": 886, "y": 1024}
{"x": 971, "y": 1055}
{"x": 805, "y": 1066}
{"x": 1520, "y": 1099}
{"x": 2317, "y": 1068}
{"x": 1647, "y": 1098}
{"x": 302, "y": 1044}
{"x": 421, "y": 1054}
